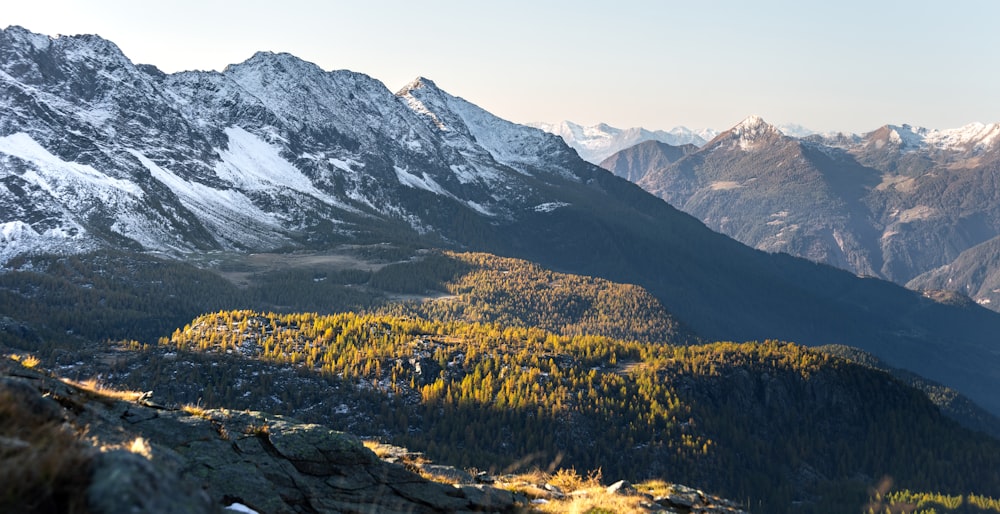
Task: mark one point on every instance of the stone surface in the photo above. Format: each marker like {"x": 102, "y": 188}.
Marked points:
{"x": 125, "y": 482}
{"x": 148, "y": 458}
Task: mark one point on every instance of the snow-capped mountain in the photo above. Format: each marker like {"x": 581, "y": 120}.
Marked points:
{"x": 277, "y": 154}
{"x": 598, "y": 142}
{"x": 969, "y": 139}
{"x": 896, "y": 202}
{"x": 795, "y": 130}
{"x": 750, "y": 134}
{"x": 269, "y": 153}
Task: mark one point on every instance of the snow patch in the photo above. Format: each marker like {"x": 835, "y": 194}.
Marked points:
{"x": 18, "y": 230}
{"x": 346, "y": 165}
{"x": 250, "y": 163}
{"x": 467, "y": 174}
{"x": 239, "y": 507}
{"x": 60, "y": 178}
{"x": 231, "y": 216}
{"x": 424, "y": 182}
{"x": 550, "y": 206}
{"x": 479, "y": 208}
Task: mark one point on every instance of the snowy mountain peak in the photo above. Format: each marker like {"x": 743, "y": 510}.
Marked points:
{"x": 752, "y": 132}
{"x": 87, "y": 51}
{"x": 275, "y": 63}
{"x": 24, "y": 38}
{"x": 470, "y": 129}
{"x": 753, "y": 124}
{"x": 424, "y": 98}
{"x": 907, "y": 136}
{"x": 417, "y": 83}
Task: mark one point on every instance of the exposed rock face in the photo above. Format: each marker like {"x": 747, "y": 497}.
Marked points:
{"x": 147, "y": 458}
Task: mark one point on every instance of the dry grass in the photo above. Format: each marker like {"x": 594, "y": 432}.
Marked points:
{"x": 569, "y": 480}
{"x": 102, "y": 393}
{"x": 380, "y": 450}
{"x": 260, "y": 430}
{"x": 140, "y": 446}
{"x": 196, "y": 410}
{"x": 595, "y": 502}
{"x": 582, "y": 494}
{"x": 655, "y": 488}
{"x": 44, "y": 465}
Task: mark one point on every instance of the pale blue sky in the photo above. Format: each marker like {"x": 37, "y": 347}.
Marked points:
{"x": 833, "y": 65}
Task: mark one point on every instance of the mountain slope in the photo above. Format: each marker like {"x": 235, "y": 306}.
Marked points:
{"x": 767, "y": 190}
{"x": 275, "y": 153}
{"x": 634, "y": 163}
{"x": 975, "y": 273}
{"x": 893, "y": 203}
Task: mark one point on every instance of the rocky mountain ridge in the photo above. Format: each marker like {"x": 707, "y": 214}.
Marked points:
{"x": 899, "y": 203}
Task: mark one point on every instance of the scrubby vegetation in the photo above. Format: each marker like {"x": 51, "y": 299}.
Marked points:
{"x": 911, "y": 502}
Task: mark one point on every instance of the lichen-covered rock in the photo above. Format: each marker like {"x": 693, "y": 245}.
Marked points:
{"x": 124, "y": 483}
{"x": 316, "y": 450}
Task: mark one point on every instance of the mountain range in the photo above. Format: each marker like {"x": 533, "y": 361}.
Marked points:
{"x": 275, "y": 154}
{"x": 281, "y": 237}
{"x": 597, "y": 142}
{"x": 911, "y": 205}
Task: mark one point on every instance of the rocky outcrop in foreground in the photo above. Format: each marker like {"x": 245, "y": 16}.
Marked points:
{"x": 141, "y": 457}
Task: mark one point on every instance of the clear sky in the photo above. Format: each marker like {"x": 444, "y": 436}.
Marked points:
{"x": 831, "y": 65}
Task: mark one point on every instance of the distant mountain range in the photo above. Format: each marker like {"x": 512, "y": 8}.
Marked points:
{"x": 915, "y": 206}
{"x": 598, "y": 142}
{"x": 277, "y": 155}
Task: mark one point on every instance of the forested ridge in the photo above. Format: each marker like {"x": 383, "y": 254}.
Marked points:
{"x": 515, "y": 292}
{"x": 773, "y": 424}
